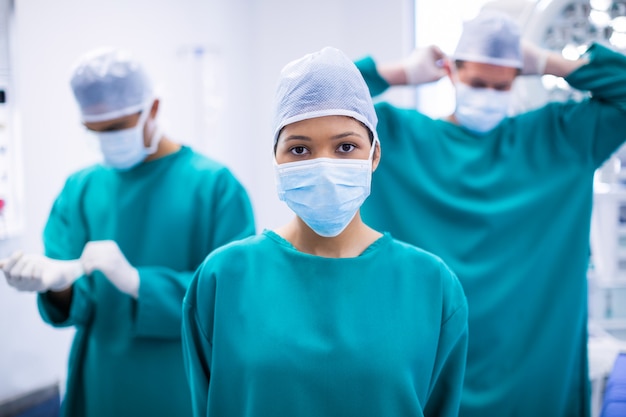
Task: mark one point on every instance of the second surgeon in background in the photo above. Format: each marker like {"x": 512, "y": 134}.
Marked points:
{"x": 506, "y": 202}
{"x": 122, "y": 241}
{"x": 324, "y": 316}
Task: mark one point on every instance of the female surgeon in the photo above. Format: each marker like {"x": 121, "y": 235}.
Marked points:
{"x": 324, "y": 316}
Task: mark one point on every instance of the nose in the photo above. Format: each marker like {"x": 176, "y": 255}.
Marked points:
{"x": 324, "y": 153}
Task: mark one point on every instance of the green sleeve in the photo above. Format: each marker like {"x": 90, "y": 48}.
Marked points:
{"x": 376, "y": 84}
{"x": 603, "y": 76}
{"x": 161, "y": 289}
{"x": 605, "y": 113}
{"x": 234, "y": 217}
{"x": 196, "y": 343}
{"x": 64, "y": 237}
{"x": 65, "y": 233}
{"x": 80, "y": 311}
{"x": 158, "y": 311}
{"x": 449, "y": 371}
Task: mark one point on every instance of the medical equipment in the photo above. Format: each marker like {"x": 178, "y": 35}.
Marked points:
{"x": 11, "y": 215}
{"x": 568, "y": 26}
{"x": 608, "y": 231}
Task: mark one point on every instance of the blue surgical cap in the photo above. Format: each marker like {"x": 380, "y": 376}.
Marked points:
{"x": 492, "y": 37}
{"x": 109, "y": 83}
{"x": 323, "y": 83}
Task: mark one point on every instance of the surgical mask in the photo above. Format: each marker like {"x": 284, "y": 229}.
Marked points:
{"x": 124, "y": 149}
{"x": 325, "y": 193}
{"x": 480, "y": 109}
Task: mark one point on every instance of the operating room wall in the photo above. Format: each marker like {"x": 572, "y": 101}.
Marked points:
{"x": 215, "y": 64}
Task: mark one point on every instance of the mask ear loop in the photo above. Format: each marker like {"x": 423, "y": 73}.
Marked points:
{"x": 454, "y": 73}
{"x": 154, "y": 141}
{"x": 456, "y": 82}
{"x": 370, "y": 158}
{"x": 157, "y": 135}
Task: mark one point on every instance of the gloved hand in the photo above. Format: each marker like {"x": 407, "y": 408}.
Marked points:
{"x": 424, "y": 65}
{"x": 534, "y": 59}
{"x": 105, "y": 256}
{"x": 38, "y": 273}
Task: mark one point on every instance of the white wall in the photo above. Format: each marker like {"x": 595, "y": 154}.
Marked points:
{"x": 248, "y": 40}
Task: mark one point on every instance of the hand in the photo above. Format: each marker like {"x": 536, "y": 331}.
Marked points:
{"x": 105, "y": 256}
{"x": 39, "y": 273}
{"x": 424, "y": 65}
{"x": 534, "y": 57}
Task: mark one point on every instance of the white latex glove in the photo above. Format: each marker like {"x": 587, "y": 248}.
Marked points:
{"x": 534, "y": 58}
{"x": 38, "y": 273}
{"x": 105, "y": 256}
{"x": 424, "y": 65}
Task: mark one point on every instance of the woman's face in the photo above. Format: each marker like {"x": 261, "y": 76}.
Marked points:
{"x": 340, "y": 137}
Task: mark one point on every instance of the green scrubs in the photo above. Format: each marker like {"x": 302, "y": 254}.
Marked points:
{"x": 509, "y": 212}
{"x": 166, "y": 215}
{"x": 271, "y": 331}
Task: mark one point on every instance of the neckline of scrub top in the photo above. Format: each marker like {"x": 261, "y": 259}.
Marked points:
{"x": 384, "y": 240}
{"x": 456, "y": 131}
{"x": 139, "y": 169}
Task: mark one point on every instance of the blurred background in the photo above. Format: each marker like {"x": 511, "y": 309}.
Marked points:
{"x": 215, "y": 64}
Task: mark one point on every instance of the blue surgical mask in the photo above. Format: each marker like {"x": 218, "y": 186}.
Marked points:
{"x": 480, "y": 109}
{"x": 124, "y": 149}
{"x": 325, "y": 193}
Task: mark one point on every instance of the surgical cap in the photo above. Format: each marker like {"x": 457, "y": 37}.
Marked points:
{"x": 109, "y": 83}
{"x": 492, "y": 37}
{"x": 323, "y": 83}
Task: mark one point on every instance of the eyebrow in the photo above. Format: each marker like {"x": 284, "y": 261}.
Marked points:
{"x": 336, "y": 137}
{"x": 115, "y": 126}
{"x": 345, "y": 135}
{"x": 297, "y": 137}
{"x": 482, "y": 82}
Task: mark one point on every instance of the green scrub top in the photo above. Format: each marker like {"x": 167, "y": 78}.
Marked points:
{"x": 509, "y": 212}
{"x": 271, "y": 331}
{"x": 166, "y": 215}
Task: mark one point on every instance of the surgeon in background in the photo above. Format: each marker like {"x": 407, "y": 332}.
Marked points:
{"x": 506, "y": 202}
{"x": 324, "y": 316}
{"x": 121, "y": 244}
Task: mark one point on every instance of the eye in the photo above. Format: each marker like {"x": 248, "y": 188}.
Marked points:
{"x": 346, "y": 147}
{"x": 478, "y": 84}
{"x": 299, "y": 150}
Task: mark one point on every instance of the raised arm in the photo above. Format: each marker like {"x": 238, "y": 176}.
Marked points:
{"x": 538, "y": 61}
{"x": 422, "y": 66}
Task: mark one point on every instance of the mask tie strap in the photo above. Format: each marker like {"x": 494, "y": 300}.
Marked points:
{"x": 154, "y": 141}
